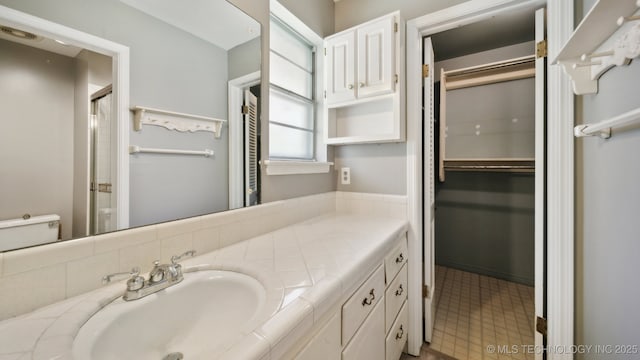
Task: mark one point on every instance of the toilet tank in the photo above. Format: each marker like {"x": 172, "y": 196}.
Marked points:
{"x": 19, "y": 233}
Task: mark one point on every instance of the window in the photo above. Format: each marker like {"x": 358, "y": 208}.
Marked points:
{"x": 291, "y": 93}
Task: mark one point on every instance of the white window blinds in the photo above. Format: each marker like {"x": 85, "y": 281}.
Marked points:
{"x": 291, "y": 106}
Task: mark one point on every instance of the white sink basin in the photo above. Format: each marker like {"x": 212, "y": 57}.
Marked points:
{"x": 197, "y": 317}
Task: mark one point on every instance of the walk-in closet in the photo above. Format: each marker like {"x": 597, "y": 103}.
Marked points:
{"x": 484, "y": 166}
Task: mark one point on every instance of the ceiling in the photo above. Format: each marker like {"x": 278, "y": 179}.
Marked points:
{"x": 503, "y": 30}
{"x": 217, "y": 22}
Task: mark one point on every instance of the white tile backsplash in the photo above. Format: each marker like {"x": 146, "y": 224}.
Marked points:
{"x": 32, "y": 258}
{"x": 86, "y": 274}
{"x": 142, "y": 256}
{"x": 175, "y": 245}
{"x": 120, "y": 239}
{"x": 42, "y": 275}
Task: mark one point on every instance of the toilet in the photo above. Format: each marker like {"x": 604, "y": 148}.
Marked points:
{"x": 29, "y": 231}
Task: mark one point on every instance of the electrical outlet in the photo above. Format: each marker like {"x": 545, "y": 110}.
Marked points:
{"x": 345, "y": 176}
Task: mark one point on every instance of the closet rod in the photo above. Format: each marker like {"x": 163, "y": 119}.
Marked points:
{"x": 134, "y": 149}
{"x": 493, "y": 165}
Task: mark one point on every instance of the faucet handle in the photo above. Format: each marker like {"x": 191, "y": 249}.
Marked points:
{"x": 109, "y": 278}
{"x": 176, "y": 258}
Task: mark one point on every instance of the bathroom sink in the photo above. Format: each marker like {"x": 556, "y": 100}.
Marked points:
{"x": 195, "y": 318}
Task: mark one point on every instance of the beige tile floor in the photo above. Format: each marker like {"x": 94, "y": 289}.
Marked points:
{"x": 474, "y": 311}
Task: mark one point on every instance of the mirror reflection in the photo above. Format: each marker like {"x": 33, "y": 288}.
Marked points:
{"x": 67, "y": 155}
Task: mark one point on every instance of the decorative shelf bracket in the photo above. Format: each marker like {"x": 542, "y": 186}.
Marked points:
{"x": 175, "y": 121}
{"x": 608, "y": 36}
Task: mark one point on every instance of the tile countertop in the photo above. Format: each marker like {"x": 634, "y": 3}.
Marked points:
{"x": 306, "y": 268}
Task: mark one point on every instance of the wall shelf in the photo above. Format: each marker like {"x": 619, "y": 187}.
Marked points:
{"x": 175, "y": 121}
{"x": 606, "y": 37}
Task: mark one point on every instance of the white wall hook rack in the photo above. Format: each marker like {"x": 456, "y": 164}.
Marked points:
{"x": 175, "y": 121}
{"x": 609, "y": 32}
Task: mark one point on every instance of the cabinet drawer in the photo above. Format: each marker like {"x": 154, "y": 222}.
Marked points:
{"x": 356, "y": 309}
{"x": 394, "y": 297}
{"x": 397, "y": 337}
{"x": 368, "y": 343}
{"x": 396, "y": 258}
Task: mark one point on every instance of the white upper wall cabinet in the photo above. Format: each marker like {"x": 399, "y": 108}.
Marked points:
{"x": 376, "y": 65}
{"x": 340, "y": 52}
{"x": 364, "y": 76}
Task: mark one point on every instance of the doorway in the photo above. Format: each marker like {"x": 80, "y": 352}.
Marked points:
{"x": 102, "y": 141}
{"x": 481, "y": 148}
{"x": 558, "y": 180}
{"x": 244, "y": 140}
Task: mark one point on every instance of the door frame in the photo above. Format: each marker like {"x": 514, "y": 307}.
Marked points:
{"x": 120, "y": 75}
{"x": 236, "y": 158}
{"x": 560, "y": 163}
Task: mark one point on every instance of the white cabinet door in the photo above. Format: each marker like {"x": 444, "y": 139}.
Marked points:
{"x": 369, "y": 341}
{"x": 325, "y": 345}
{"x": 340, "y": 65}
{"x": 376, "y": 57}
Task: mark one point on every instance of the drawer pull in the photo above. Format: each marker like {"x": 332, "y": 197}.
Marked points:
{"x": 400, "y": 333}
{"x": 400, "y": 290}
{"x": 369, "y": 300}
{"x": 400, "y": 258}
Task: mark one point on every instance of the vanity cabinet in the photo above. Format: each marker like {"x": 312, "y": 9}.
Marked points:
{"x": 364, "y": 83}
{"x": 372, "y": 323}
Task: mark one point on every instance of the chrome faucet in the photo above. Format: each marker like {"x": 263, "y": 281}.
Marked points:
{"x": 160, "y": 277}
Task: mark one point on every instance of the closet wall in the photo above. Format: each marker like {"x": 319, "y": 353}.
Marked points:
{"x": 485, "y": 220}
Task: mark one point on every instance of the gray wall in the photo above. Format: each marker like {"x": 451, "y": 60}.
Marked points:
{"x": 317, "y": 14}
{"x": 244, "y": 59}
{"x": 485, "y": 221}
{"x": 36, "y": 141}
{"x": 375, "y": 168}
{"x": 170, "y": 70}
{"x": 485, "y": 224}
{"x": 353, "y": 12}
{"x": 607, "y": 212}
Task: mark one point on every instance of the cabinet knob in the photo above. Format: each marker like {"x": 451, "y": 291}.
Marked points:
{"x": 400, "y": 333}
{"x": 400, "y": 258}
{"x": 400, "y": 290}
{"x": 361, "y": 84}
{"x": 350, "y": 86}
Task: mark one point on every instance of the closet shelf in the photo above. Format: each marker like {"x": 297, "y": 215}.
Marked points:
{"x": 512, "y": 69}
{"x": 175, "y": 121}
{"x": 607, "y": 36}
{"x": 491, "y": 165}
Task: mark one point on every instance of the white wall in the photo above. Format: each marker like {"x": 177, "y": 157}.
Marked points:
{"x": 37, "y": 96}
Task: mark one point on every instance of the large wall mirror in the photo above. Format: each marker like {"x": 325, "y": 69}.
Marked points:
{"x": 71, "y": 158}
